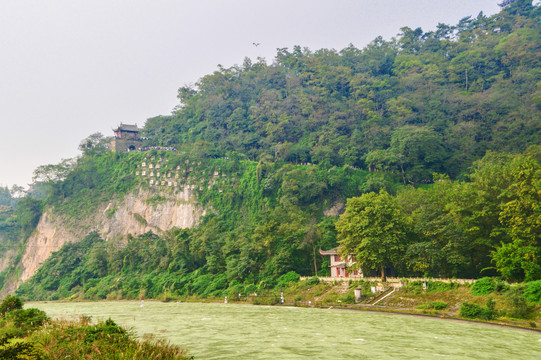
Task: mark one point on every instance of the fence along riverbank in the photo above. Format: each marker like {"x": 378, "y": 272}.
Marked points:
{"x": 391, "y": 280}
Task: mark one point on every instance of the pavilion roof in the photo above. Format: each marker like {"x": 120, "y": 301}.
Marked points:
{"x": 333, "y": 251}
{"x": 127, "y": 127}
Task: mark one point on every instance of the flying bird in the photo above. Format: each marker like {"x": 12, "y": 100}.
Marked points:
{"x": 256, "y": 44}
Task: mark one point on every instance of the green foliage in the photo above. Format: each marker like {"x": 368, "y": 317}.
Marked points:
{"x": 434, "y": 305}
{"x": 532, "y": 291}
{"x": 373, "y": 230}
{"x": 474, "y": 311}
{"x": 483, "y": 286}
{"x": 27, "y": 318}
{"x": 520, "y": 308}
{"x": 6, "y": 198}
{"x": 18, "y": 349}
{"x": 27, "y": 213}
{"x": 81, "y": 340}
{"x": 312, "y": 281}
{"x": 10, "y": 303}
{"x": 285, "y": 279}
{"x": 386, "y": 106}
{"x": 437, "y": 305}
{"x": 521, "y": 217}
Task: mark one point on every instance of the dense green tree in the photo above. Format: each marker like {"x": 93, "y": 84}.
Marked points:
{"x": 94, "y": 144}
{"x": 373, "y": 230}
{"x": 521, "y": 219}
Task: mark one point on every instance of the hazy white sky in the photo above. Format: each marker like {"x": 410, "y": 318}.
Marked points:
{"x": 70, "y": 68}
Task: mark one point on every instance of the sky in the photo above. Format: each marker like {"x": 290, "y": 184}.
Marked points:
{"x": 71, "y": 68}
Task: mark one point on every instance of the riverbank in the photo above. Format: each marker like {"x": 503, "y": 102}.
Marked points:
{"x": 432, "y": 299}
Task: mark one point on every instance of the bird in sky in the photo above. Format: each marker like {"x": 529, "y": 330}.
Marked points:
{"x": 256, "y": 44}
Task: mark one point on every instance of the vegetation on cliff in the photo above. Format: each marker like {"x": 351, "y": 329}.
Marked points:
{"x": 255, "y": 235}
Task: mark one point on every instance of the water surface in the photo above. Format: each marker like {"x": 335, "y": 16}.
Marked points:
{"x": 230, "y": 331}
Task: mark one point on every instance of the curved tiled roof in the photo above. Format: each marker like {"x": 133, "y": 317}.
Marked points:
{"x": 127, "y": 127}
{"x": 333, "y": 251}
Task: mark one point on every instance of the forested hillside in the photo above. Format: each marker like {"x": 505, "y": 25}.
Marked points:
{"x": 435, "y": 135}
{"x": 415, "y": 104}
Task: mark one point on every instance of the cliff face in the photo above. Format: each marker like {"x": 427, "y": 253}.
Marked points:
{"x": 136, "y": 213}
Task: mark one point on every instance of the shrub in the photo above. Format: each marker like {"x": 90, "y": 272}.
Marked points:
{"x": 312, "y": 281}
{"x": 437, "y": 305}
{"x": 483, "y": 286}
{"x": 434, "y": 305}
{"x": 287, "y": 278}
{"x": 15, "y": 349}
{"x": 267, "y": 283}
{"x": 27, "y": 318}
{"x": 532, "y": 291}
{"x": 474, "y": 311}
{"x": 439, "y": 286}
{"x": 10, "y": 303}
{"x": 520, "y": 309}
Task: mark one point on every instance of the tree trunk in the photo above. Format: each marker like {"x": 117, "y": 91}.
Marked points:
{"x": 383, "y": 277}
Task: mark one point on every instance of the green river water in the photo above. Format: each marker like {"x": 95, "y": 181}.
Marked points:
{"x": 230, "y": 331}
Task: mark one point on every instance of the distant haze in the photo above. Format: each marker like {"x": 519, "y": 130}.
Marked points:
{"x": 70, "y": 68}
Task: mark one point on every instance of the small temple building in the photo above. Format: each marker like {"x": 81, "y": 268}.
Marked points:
{"x": 340, "y": 267}
{"x": 126, "y": 138}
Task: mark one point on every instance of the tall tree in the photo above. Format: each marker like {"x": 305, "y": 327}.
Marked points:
{"x": 521, "y": 218}
{"x": 373, "y": 230}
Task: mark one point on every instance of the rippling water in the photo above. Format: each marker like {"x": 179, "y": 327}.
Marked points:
{"x": 229, "y": 331}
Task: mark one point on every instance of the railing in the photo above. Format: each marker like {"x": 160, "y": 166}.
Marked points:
{"x": 390, "y": 279}
{"x": 382, "y": 296}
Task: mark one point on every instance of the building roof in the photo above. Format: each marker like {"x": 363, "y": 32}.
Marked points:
{"x": 127, "y": 127}
{"x": 333, "y": 251}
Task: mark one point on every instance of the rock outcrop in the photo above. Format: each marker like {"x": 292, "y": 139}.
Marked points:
{"x": 136, "y": 213}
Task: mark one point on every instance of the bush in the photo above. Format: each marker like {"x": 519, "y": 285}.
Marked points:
{"x": 520, "y": 309}
{"x": 18, "y": 349}
{"x": 483, "y": 286}
{"x": 437, "y": 305}
{"x": 287, "y": 278}
{"x": 532, "y": 291}
{"x": 439, "y": 286}
{"x": 10, "y": 303}
{"x": 27, "y": 318}
{"x": 267, "y": 283}
{"x": 312, "y": 281}
{"x": 474, "y": 311}
{"x": 434, "y": 305}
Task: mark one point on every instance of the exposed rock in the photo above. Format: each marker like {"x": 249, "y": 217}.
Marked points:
{"x": 335, "y": 210}
{"x": 136, "y": 213}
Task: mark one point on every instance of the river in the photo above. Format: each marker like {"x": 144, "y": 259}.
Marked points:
{"x": 232, "y": 331}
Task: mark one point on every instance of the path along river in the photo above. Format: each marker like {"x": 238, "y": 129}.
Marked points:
{"x": 230, "y": 331}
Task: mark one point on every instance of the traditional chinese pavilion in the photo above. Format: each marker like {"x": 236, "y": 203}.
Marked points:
{"x": 126, "y": 138}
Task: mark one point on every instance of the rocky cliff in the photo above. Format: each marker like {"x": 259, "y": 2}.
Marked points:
{"x": 136, "y": 213}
